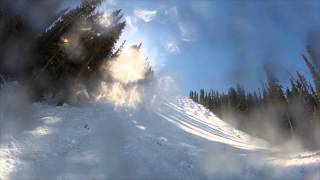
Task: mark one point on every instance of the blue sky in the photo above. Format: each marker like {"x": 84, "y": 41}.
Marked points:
{"x": 217, "y": 44}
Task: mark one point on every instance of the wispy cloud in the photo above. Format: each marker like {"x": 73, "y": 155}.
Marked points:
{"x": 171, "y": 12}
{"x": 130, "y": 24}
{"x": 172, "y": 47}
{"x": 187, "y": 32}
{"x": 145, "y": 15}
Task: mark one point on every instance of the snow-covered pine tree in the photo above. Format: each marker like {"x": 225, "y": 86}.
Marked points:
{"x": 73, "y": 49}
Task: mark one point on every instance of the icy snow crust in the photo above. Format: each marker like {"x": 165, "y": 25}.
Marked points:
{"x": 170, "y": 139}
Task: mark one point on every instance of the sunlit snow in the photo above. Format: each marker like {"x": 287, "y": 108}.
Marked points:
{"x": 168, "y": 138}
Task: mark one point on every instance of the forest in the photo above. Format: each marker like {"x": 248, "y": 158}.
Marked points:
{"x": 273, "y": 112}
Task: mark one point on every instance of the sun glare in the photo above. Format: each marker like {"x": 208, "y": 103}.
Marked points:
{"x": 105, "y": 19}
{"x": 126, "y": 71}
{"x": 129, "y": 67}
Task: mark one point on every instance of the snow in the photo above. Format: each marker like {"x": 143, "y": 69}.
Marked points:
{"x": 168, "y": 138}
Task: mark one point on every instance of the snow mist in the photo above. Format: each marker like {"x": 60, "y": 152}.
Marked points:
{"x": 127, "y": 73}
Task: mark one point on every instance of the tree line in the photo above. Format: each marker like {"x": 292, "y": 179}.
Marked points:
{"x": 273, "y": 112}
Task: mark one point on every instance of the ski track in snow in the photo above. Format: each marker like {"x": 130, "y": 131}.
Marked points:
{"x": 176, "y": 139}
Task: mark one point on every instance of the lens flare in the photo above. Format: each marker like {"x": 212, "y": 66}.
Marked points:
{"x": 65, "y": 40}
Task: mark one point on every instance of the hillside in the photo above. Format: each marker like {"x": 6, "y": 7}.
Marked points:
{"x": 168, "y": 138}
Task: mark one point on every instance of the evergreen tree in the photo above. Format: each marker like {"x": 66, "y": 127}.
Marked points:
{"x": 315, "y": 74}
{"x": 72, "y": 50}
{"x": 201, "y": 100}
{"x": 75, "y": 47}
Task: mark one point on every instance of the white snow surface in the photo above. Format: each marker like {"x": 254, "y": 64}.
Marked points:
{"x": 170, "y": 138}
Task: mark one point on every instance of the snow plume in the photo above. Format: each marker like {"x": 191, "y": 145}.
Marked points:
{"x": 119, "y": 95}
{"x": 222, "y": 162}
{"x": 106, "y": 19}
{"x": 131, "y": 66}
{"x": 15, "y": 110}
{"x": 127, "y": 72}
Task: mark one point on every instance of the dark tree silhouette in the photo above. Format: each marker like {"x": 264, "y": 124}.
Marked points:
{"x": 71, "y": 51}
{"x": 293, "y": 112}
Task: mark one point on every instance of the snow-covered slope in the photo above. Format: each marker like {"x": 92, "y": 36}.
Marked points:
{"x": 173, "y": 138}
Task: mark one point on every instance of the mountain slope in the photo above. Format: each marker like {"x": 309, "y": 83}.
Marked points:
{"x": 172, "y": 138}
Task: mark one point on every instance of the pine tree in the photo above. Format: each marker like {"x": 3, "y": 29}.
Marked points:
{"x": 315, "y": 74}
{"x": 233, "y": 97}
{"x": 314, "y": 57}
{"x": 74, "y": 49}
{"x": 71, "y": 51}
{"x": 201, "y": 100}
